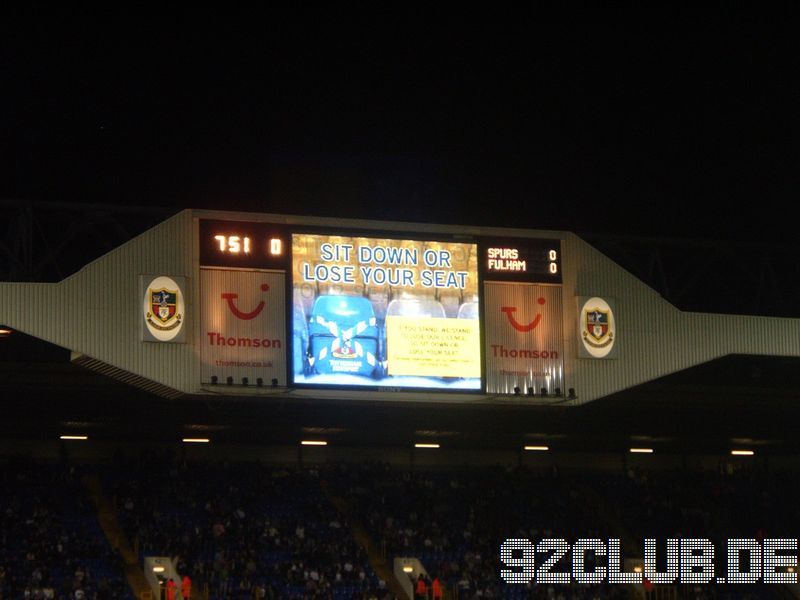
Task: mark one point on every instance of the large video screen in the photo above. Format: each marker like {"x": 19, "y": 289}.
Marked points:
{"x": 385, "y": 312}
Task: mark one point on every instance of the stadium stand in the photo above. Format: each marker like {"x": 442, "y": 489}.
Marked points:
{"x": 51, "y": 544}
{"x": 242, "y": 530}
{"x": 247, "y": 529}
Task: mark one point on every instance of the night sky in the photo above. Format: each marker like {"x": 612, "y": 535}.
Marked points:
{"x": 680, "y": 131}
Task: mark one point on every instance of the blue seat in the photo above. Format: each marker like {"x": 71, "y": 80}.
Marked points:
{"x": 299, "y": 338}
{"x": 343, "y": 336}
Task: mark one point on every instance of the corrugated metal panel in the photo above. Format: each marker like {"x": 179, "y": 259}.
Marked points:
{"x": 654, "y": 338}
{"x": 97, "y": 311}
{"x": 252, "y": 342}
{"x": 126, "y": 377}
{"x": 524, "y": 337}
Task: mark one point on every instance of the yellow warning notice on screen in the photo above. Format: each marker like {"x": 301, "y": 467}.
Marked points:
{"x": 433, "y": 347}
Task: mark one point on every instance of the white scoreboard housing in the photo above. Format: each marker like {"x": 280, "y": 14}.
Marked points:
{"x": 229, "y": 303}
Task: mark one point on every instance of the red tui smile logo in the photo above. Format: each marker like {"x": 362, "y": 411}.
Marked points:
{"x": 524, "y": 328}
{"x": 245, "y": 316}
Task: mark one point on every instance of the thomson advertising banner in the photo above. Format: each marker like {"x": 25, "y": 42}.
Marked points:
{"x": 385, "y": 312}
{"x": 524, "y": 337}
{"x": 243, "y": 325}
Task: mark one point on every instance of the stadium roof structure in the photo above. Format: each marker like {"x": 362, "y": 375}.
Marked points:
{"x": 739, "y": 399}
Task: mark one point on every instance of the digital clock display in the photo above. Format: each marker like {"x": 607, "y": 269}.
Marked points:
{"x": 534, "y": 260}
{"x": 243, "y": 244}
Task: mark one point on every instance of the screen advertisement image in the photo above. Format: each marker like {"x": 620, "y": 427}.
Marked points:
{"x": 382, "y": 312}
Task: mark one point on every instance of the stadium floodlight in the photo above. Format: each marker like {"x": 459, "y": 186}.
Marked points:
{"x": 641, "y": 450}
{"x": 196, "y": 440}
{"x": 537, "y": 448}
{"x": 742, "y": 453}
{"x": 74, "y": 437}
{"x": 424, "y": 445}
{"x": 313, "y": 443}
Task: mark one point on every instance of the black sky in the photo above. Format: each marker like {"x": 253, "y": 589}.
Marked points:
{"x": 684, "y": 131}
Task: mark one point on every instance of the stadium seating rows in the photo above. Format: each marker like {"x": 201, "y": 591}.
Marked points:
{"x": 251, "y": 530}
{"x": 51, "y": 545}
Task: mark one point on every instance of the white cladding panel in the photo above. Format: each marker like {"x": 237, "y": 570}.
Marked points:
{"x": 97, "y": 311}
{"x": 653, "y": 337}
{"x": 524, "y": 337}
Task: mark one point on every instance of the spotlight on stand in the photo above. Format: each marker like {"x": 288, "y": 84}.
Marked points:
{"x": 229, "y": 380}
{"x": 214, "y": 380}
{"x": 530, "y": 391}
{"x": 274, "y": 382}
{"x": 259, "y": 382}
{"x": 544, "y": 391}
{"x": 245, "y": 381}
{"x": 558, "y": 391}
{"x": 571, "y": 393}
{"x": 516, "y": 391}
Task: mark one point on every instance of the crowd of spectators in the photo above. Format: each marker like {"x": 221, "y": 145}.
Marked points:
{"x": 454, "y": 520}
{"x": 248, "y": 530}
{"x": 51, "y": 544}
{"x": 243, "y": 530}
{"x": 720, "y": 503}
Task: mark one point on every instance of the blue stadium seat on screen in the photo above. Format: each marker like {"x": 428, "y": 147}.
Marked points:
{"x": 299, "y": 338}
{"x": 343, "y": 336}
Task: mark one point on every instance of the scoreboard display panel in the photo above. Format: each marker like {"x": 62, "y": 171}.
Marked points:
{"x": 532, "y": 260}
{"x": 377, "y": 310}
{"x": 243, "y": 244}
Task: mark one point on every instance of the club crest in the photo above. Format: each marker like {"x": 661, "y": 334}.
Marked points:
{"x": 163, "y": 309}
{"x": 597, "y": 327}
{"x": 598, "y": 330}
